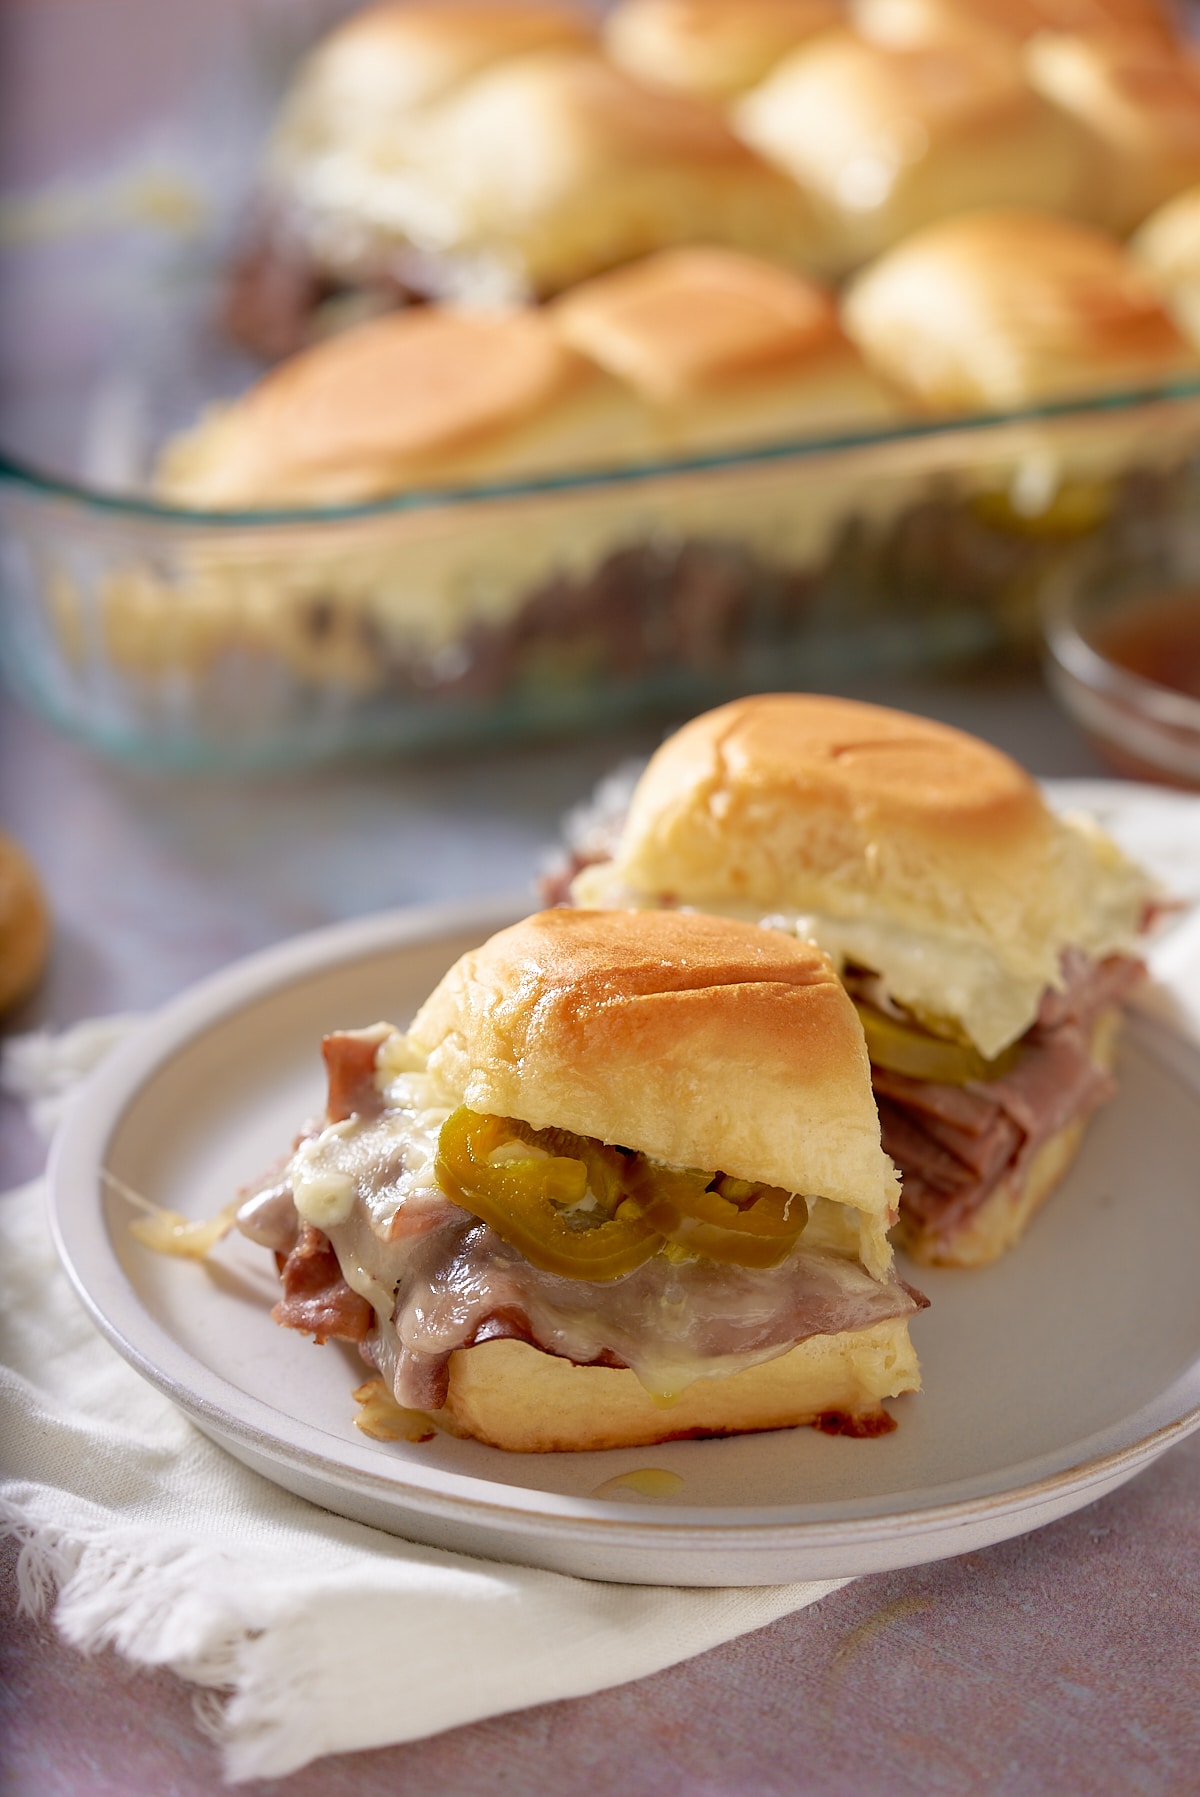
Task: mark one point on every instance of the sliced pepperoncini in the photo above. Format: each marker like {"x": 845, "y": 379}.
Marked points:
{"x": 644, "y": 1208}
{"x": 725, "y": 1219}
{"x": 907, "y": 1048}
{"x": 522, "y": 1198}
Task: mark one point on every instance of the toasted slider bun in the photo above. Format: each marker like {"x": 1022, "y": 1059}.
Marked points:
{"x": 886, "y": 140}
{"x": 699, "y": 1041}
{"x": 1167, "y": 250}
{"x": 1139, "y": 100}
{"x": 24, "y": 925}
{"x": 712, "y": 47}
{"x": 386, "y": 62}
{"x": 1005, "y": 309}
{"x": 908, "y": 21}
{"x": 423, "y": 397}
{"x": 724, "y": 347}
{"x": 557, "y": 165}
{"x": 900, "y": 843}
{"x": 512, "y": 1396}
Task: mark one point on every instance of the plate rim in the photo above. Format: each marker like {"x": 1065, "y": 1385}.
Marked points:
{"x": 85, "y": 1250}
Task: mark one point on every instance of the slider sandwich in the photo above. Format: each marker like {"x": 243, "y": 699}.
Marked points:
{"x": 987, "y": 945}
{"x": 620, "y": 1182}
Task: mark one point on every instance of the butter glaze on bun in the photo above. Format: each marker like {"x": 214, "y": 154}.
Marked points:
{"x": 725, "y": 348}
{"x": 1003, "y": 309}
{"x": 888, "y": 139}
{"x": 699, "y": 1041}
{"x": 851, "y": 816}
{"x": 712, "y": 47}
{"x": 691, "y": 319}
{"x": 1138, "y": 98}
{"x": 417, "y": 395}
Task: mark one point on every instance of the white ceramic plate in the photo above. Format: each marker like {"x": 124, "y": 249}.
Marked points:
{"x": 1049, "y": 1379}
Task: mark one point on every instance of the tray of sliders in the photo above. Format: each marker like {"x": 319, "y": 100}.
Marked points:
{"x": 788, "y": 1202}
{"x": 542, "y": 367}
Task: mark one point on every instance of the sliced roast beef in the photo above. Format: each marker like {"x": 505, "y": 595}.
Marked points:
{"x": 349, "y": 1057}
{"x": 316, "y": 1299}
{"x": 954, "y": 1145}
{"x": 454, "y": 1284}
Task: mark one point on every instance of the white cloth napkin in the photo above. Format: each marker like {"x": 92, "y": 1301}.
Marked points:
{"x": 321, "y": 1635}
{"x": 314, "y": 1635}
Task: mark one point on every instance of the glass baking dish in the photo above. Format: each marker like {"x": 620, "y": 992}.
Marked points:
{"x": 264, "y": 639}
{"x": 271, "y": 638}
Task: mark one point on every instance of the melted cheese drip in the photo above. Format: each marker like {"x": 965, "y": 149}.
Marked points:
{"x": 642, "y": 1481}
{"x": 380, "y": 1417}
{"x": 169, "y": 1231}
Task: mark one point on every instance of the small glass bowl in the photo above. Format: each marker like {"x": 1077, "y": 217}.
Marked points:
{"x": 1110, "y": 626}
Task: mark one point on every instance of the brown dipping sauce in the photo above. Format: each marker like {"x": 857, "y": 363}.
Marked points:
{"x": 1159, "y": 642}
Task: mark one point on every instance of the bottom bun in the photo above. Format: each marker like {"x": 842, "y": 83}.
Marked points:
{"x": 513, "y": 1396}
{"x": 1006, "y": 1214}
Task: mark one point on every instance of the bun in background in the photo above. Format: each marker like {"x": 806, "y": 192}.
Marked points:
{"x": 1138, "y": 99}
{"x": 996, "y": 310}
{"x": 885, "y": 140}
{"x": 716, "y": 48}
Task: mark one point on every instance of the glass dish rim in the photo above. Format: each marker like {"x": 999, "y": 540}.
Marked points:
{"x": 25, "y": 477}
{"x": 1078, "y": 659}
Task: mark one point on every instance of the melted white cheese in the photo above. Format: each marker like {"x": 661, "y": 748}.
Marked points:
{"x": 944, "y": 972}
{"x": 323, "y": 1188}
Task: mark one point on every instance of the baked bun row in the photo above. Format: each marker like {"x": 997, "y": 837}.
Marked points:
{"x": 689, "y": 352}
{"x": 503, "y": 151}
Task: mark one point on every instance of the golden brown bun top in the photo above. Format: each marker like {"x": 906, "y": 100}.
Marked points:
{"x": 714, "y": 47}
{"x": 793, "y": 804}
{"x": 403, "y": 54}
{"x": 699, "y": 1041}
{"x": 1139, "y": 97}
{"x": 378, "y": 407}
{"x": 599, "y": 113}
{"x": 901, "y": 21}
{"x": 998, "y": 309}
{"x": 845, "y": 94}
{"x": 887, "y": 769}
{"x": 689, "y": 320}
{"x": 887, "y": 138}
